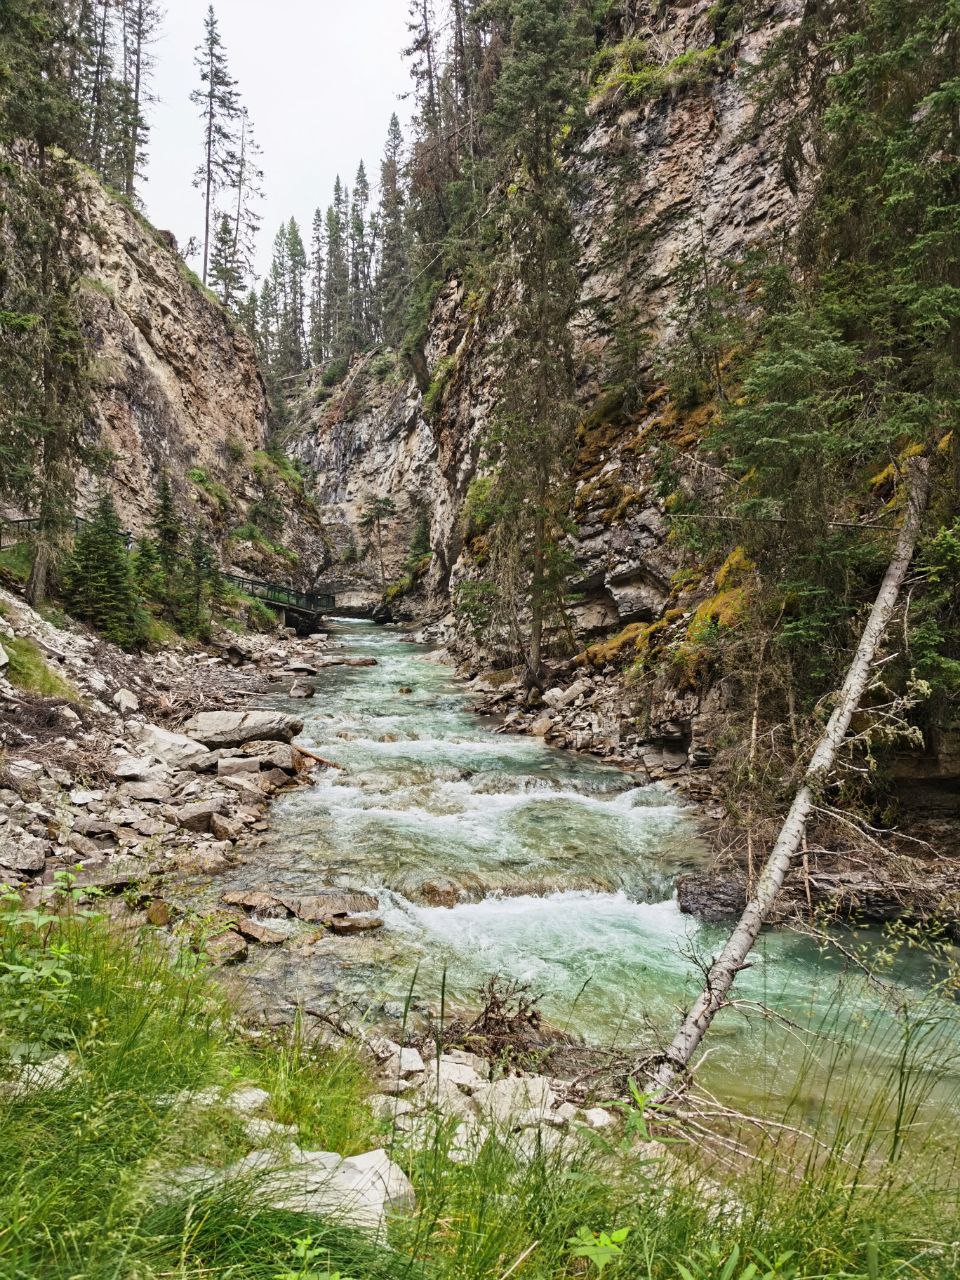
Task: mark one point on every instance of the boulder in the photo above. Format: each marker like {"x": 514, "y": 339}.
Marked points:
{"x": 257, "y": 932}
{"x": 346, "y": 924}
{"x": 273, "y": 755}
{"x": 232, "y": 765}
{"x": 234, "y": 728}
{"x": 259, "y": 901}
{"x": 504, "y": 1100}
{"x": 20, "y": 851}
{"x": 4, "y": 658}
{"x": 320, "y": 907}
{"x": 226, "y": 948}
{"x": 126, "y": 702}
{"x": 159, "y": 914}
{"x": 302, "y": 689}
{"x": 172, "y": 748}
{"x": 197, "y": 817}
{"x": 156, "y": 792}
{"x": 226, "y": 828}
{"x": 541, "y": 727}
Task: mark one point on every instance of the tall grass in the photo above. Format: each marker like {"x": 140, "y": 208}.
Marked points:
{"x": 79, "y": 1166}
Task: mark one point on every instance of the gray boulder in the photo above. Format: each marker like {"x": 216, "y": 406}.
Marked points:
{"x": 234, "y": 728}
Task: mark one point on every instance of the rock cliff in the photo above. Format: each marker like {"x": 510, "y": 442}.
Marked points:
{"x": 175, "y": 381}
{"x": 687, "y": 172}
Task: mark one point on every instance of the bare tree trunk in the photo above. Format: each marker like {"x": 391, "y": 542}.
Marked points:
{"x": 731, "y": 960}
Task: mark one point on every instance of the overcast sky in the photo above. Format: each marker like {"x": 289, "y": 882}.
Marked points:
{"x": 320, "y": 78}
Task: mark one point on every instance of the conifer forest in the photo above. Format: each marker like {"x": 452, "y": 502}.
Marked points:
{"x": 480, "y": 640}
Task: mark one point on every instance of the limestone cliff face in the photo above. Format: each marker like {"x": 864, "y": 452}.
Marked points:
{"x": 656, "y": 181}
{"x": 174, "y": 380}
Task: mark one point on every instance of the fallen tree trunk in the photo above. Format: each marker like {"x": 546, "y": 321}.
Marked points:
{"x": 720, "y": 978}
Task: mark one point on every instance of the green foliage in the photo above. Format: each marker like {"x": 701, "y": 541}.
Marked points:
{"x": 335, "y": 372}
{"x": 479, "y": 509}
{"x": 600, "y": 1248}
{"x": 28, "y": 670}
{"x": 629, "y": 67}
{"x": 98, "y": 584}
{"x": 17, "y": 560}
{"x": 441, "y": 379}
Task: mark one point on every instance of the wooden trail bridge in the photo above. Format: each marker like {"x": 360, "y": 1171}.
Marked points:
{"x": 279, "y": 594}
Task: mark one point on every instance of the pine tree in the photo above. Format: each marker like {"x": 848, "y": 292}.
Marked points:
{"x": 201, "y": 585}
{"x": 374, "y": 514}
{"x": 99, "y": 586}
{"x": 249, "y": 193}
{"x": 360, "y": 264}
{"x": 167, "y": 525}
{"x": 225, "y": 275}
{"x": 393, "y": 276}
{"x": 532, "y": 439}
{"x": 220, "y": 110}
{"x": 141, "y": 22}
{"x": 318, "y": 337}
{"x": 336, "y": 295}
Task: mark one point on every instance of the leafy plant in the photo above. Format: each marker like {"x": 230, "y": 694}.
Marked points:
{"x": 599, "y": 1247}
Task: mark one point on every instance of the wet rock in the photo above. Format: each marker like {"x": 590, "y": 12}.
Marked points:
{"x": 347, "y": 662}
{"x": 260, "y": 901}
{"x": 302, "y": 689}
{"x": 345, "y": 924}
{"x": 713, "y": 896}
{"x": 234, "y": 728}
{"x": 542, "y": 726}
{"x": 257, "y": 932}
{"x": 226, "y": 948}
{"x": 318, "y": 908}
{"x": 440, "y": 893}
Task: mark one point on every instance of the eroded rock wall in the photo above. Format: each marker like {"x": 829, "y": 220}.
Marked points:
{"x": 175, "y": 382}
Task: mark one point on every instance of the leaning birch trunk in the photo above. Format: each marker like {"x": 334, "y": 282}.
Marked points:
{"x": 725, "y": 968}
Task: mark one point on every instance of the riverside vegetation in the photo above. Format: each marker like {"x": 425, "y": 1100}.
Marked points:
{"x": 656, "y": 497}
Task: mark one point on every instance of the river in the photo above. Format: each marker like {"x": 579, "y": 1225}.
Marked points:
{"x": 561, "y": 872}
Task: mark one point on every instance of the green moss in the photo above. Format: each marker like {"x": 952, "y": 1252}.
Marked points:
{"x": 629, "y": 67}
{"x": 28, "y": 671}
{"x": 441, "y": 379}
{"x": 217, "y": 492}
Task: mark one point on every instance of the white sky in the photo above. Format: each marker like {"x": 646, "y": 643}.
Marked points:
{"x": 320, "y": 78}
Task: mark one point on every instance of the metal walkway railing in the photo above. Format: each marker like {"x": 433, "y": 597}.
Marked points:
{"x": 278, "y": 593}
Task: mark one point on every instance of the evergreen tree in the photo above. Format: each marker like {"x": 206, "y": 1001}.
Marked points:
{"x": 225, "y": 274}
{"x": 374, "y": 514}
{"x": 201, "y": 585}
{"x": 167, "y": 526}
{"x": 393, "y": 275}
{"x": 360, "y": 253}
{"x": 249, "y": 193}
{"x": 336, "y": 296}
{"x": 532, "y": 441}
{"x": 99, "y": 586}
{"x": 318, "y": 337}
{"x": 220, "y": 110}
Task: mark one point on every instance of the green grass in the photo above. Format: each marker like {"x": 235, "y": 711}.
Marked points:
{"x": 28, "y": 671}
{"x": 17, "y": 560}
{"x": 77, "y": 1164}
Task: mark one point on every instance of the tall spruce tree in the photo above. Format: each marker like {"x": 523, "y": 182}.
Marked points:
{"x": 220, "y": 111}
{"x": 99, "y": 584}
{"x": 393, "y": 273}
{"x": 532, "y": 440}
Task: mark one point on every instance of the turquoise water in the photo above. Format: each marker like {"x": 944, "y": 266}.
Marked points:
{"x": 553, "y": 869}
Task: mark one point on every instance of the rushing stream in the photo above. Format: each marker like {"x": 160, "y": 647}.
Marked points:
{"x": 498, "y": 854}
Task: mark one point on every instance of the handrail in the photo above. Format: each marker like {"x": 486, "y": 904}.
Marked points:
{"x": 272, "y": 592}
